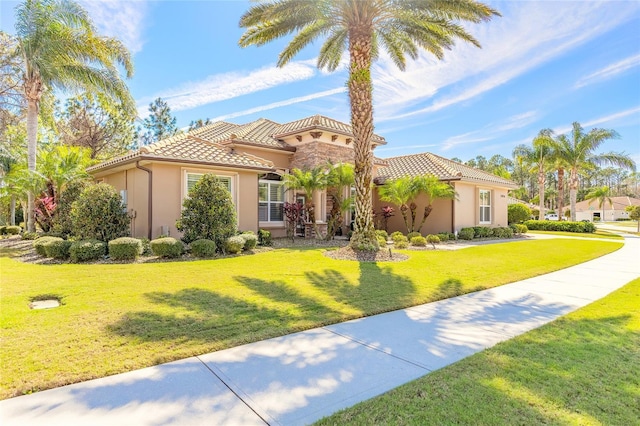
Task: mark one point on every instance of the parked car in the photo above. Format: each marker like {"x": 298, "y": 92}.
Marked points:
{"x": 551, "y": 216}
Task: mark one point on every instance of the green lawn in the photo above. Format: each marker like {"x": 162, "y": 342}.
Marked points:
{"x": 581, "y": 369}
{"x": 120, "y": 317}
{"x": 600, "y": 233}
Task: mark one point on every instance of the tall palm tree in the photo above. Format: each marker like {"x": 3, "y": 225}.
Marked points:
{"x": 8, "y": 165}
{"x": 577, "y": 152}
{"x": 537, "y": 157}
{"x": 434, "y": 189}
{"x": 61, "y": 50}
{"x": 600, "y": 194}
{"x": 310, "y": 181}
{"x": 401, "y": 27}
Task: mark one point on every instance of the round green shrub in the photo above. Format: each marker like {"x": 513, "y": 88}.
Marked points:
{"x": 410, "y": 235}
{"x": 444, "y": 237}
{"x": 26, "y": 235}
{"x": 418, "y": 241}
{"x": 167, "y": 247}
{"x": 203, "y": 248}
{"x": 503, "y": 232}
{"x": 39, "y": 243}
{"x": 397, "y": 236}
{"x": 86, "y": 250}
{"x": 125, "y": 248}
{"x": 433, "y": 240}
{"x": 401, "y": 243}
{"x": 250, "y": 240}
{"x": 382, "y": 233}
{"x": 13, "y": 230}
{"x": 466, "y": 234}
{"x": 234, "y": 244}
{"x": 518, "y": 213}
{"x": 382, "y": 241}
{"x": 518, "y": 228}
{"x": 264, "y": 237}
{"x": 58, "y": 248}
{"x": 99, "y": 214}
{"x": 208, "y": 212}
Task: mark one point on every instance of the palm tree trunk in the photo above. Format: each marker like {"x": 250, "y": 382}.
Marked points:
{"x": 427, "y": 212}
{"x": 361, "y": 100}
{"x": 32, "y": 138}
{"x": 573, "y": 192}
{"x": 12, "y": 210}
{"x": 541, "y": 193}
{"x": 560, "y": 193}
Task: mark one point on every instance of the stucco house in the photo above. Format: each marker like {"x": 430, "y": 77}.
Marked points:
{"x": 251, "y": 160}
{"x": 589, "y": 210}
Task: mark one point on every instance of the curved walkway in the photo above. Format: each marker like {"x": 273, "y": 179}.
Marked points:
{"x": 300, "y": 378}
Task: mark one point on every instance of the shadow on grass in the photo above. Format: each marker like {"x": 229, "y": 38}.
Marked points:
{"x": 568, "y": 372}
{"x": 264, "y": 309}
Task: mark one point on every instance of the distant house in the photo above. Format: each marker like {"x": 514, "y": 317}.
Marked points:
{"x": 589, "y": 210}
{"x": 251, "y": 160}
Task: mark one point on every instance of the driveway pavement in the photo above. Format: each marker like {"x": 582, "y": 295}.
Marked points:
{"x": 300, "y": 378}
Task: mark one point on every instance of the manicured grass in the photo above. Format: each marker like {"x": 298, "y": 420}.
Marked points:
{"x": 581, "y": 369}
{"x": 600, "y": 233}
{"x": 120, "y": 317}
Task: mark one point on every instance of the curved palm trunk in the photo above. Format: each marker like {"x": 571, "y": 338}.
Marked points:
{"x": 361, "y": 100}
{"x": 560, "y": 193}
{"x": 427, "y": 212}
{"x": 573, "y": 192}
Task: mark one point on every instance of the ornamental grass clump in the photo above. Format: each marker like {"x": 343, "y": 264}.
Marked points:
{"x": 418, "y": 241}
{"x": 87, "y": 250}
{"x": 125, "y": 248}
{"x": 203, "y": 248}
{"x": 167, "y": 247}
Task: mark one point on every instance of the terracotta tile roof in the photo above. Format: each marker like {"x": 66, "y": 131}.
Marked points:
{"x": 320, "y": 122}
{"x": 443, "y": 168}
{"x": 188, "y": 148}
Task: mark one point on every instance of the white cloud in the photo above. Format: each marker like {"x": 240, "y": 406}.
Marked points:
{"x": 528, "y": 35}
{"x": 220, "y": 87}
{"x": 123, "y": 19}
{"x": 610, "y": 120}
{"x": 492, "y": 131}
{"x": 281, "y": 104}
{"x": 609, "y": 71}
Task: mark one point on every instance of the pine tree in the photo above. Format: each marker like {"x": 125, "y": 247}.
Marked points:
{"x": 160, "y": 124}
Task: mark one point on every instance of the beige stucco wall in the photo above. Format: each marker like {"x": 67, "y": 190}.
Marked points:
{"x": 134, "y": 181}
{"x": 467, "y": 210}
{"x": 439, "y": 219}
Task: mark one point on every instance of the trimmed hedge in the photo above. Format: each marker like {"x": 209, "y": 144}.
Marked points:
{"x": 203, "y": 248}
{"x": 466, "y": 234}
{"x": 39, "y": 244}
{"x": 58, "y": 248}
{"x": 518, "y": 228}
{"x": 482, "y": 232}
{"x": 125, "y": 248}
{"x": 26, "y": 235}
{"x": 503, "y": 232}
{"x": 167, "y": 247}
{"x": 418, "y": 241}
{"x": 560, "y": 226}
{"x": 85, "y": 250}
{"x": 250, "y": 240}
{"x": 234, "y": 244}
{"x": 12, "y": 230}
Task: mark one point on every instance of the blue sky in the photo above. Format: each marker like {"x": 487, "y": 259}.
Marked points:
{"x": 542, "y": 65}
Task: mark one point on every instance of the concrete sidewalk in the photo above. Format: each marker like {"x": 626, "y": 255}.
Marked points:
{"x": 300, "y": 378}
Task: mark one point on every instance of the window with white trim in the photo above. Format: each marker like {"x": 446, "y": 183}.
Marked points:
{"x": 485, "y": 206}
{"x": 270, "y": 201}
{"x": 193, "y": 178}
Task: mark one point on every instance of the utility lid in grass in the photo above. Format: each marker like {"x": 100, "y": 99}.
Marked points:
{"x": 44, "y": 304}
